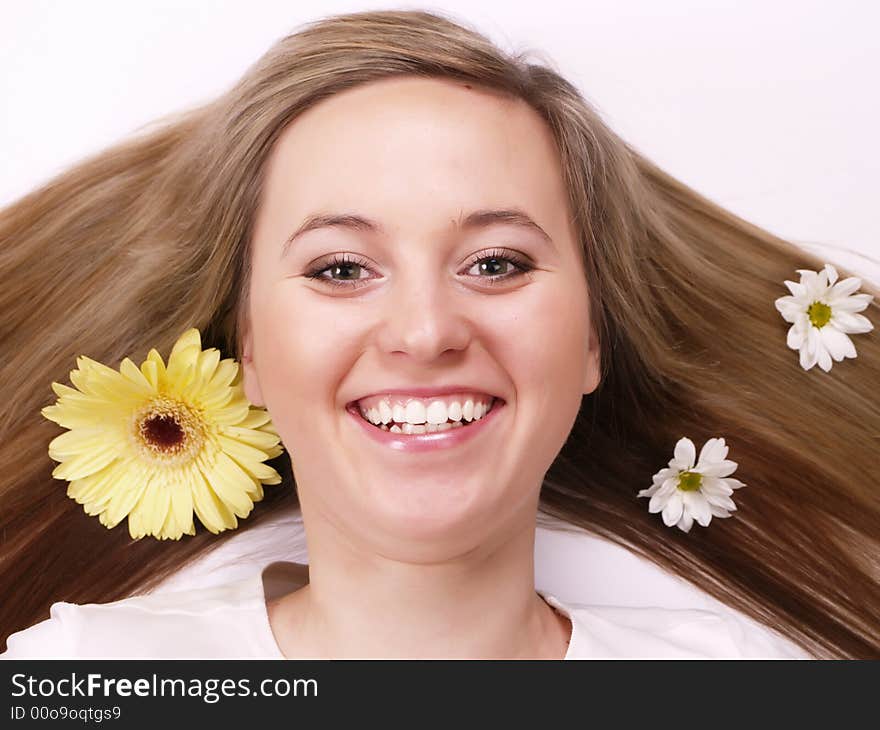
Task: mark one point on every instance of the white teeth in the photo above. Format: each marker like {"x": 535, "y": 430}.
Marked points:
{"x": 436, "y": 416}
{"x": 415, "y": 412}
{"x": 399, "y": 413}
{"x": 436, "y": 412}
{"x": 414, "y": 428}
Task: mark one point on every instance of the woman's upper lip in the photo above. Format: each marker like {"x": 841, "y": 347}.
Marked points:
{"x": 427, "y": 392}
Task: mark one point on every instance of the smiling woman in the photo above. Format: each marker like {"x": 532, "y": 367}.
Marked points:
{"x": 464, "y": 302}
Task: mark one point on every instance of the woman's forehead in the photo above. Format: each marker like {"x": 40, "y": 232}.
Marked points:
{"x": 415, "y": 144}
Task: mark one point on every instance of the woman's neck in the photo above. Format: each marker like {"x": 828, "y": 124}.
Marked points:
{"x": 482, "y": 605}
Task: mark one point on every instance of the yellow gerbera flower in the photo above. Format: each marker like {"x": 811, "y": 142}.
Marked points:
{"x": 156, "y": 443}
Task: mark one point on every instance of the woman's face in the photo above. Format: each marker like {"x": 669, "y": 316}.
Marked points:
{"x": 418, "y": 302}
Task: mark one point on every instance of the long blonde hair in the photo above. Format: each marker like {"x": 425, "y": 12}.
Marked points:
{"x": 135, "y": 244}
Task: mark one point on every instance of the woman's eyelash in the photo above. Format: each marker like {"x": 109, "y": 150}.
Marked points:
{"x": 521, "y": 267}
{"x": 338, "y": 260}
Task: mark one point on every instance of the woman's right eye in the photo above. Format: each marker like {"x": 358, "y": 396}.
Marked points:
{"x": 338, "y": 264}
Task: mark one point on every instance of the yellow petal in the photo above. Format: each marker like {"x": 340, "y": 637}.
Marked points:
{"x": 104, "y": 382}
{"x": 208, "y": 362}
{"x": 257, "y": 439}
{"x": 78, "y": 441}
{"x": 181, "y": 371}
{"x": 96, "y": 489}
{"x": 232, "y": 413}
{"x": 274, "y": 451}
{"x": 153, "y": 504}
{"x": 134, "y": 376}
{"x": 150, "y": 371}
{"x": 154, "y": 357}
{"x": 210, "y": 509}
{"x": 256, "y": 418}
{"x": 82, "y": 465}
{"x": 213, "y": 399}
{"x": 170, "y": 530}
{"x": 186, "y": 352}
{"x": 225, "y": 374}
{"x": 65, "y": 391}
{"x": 243, "y": 453}
{"x": 191, "y": 338}
{"x": 136, "y": 527}
{"x": 182, "y": 500}
{"x": 230, "y": 483}
{"x": 127, "y": 492}
{"x": 257, "y": 493}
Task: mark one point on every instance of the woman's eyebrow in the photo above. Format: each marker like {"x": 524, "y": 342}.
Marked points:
{"x": 474, "y": 220}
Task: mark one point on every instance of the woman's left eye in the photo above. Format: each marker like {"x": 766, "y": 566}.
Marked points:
{"x": 491, "y": 262}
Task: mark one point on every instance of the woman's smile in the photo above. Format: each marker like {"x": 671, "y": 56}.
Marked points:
{"x": 460, "y": 424}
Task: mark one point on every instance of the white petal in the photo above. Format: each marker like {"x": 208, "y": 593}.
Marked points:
{"x": 686, "y": 522}
{"x": 649, "y": 492}
{"x": 789, "y": 308}
{"x": 718, "y": 511}
{"x": 673, "y": 509}
{"x": 660, "y": 498}
{"x": 732, "y": 483}
{"x": 721, "y": 500}
{"x": 696, "y": 504}
{"x": 830, "y": 274}
{"x": 807, "y": 358}
{"x": 658, "y": 502}
{"x": 714, "y": 485}
{"x": 664, "y": 474}
{"x": 797, "y": 290}
{"x": 824, "y": 356}
{"x": 713, "y": 450}
{"x": 796, "y": 337}
{"x": 813, "y": 340}
{"x": 843, "y": 289}
{"x": 685, "y": 453}
{"x": 719, "y": 468}
{"x": 854, "y": 324}
{"x": 837, "y": 343}
{"x": 853, "y": 303}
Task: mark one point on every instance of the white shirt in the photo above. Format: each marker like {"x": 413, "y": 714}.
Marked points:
{"x": 230, "y": 621}
{"x": 216, "y": 607}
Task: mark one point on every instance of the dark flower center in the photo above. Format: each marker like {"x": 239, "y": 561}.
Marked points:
{"x": 163, "y": 432}
{"x": 169, "y": 431}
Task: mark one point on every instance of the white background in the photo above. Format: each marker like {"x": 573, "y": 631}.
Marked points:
{"x": 771, "y": 109}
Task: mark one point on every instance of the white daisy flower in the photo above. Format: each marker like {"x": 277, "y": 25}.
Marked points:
{"x": 685, "y": 492}
{"x": 822, "y": 314}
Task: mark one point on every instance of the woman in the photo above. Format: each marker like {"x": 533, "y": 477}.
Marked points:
{"x": 387, "y": 213}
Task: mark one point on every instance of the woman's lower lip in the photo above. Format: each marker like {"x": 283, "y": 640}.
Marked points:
{"x": 420, "y": 442}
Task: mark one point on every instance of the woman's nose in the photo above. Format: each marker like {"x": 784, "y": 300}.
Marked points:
{"x": 423, "y": 316}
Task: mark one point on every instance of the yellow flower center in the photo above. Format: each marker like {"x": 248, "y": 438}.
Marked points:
{"x": 689, "y": 481}
{"x": 168, "y": 431}
{"x": 819, "y": 314}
